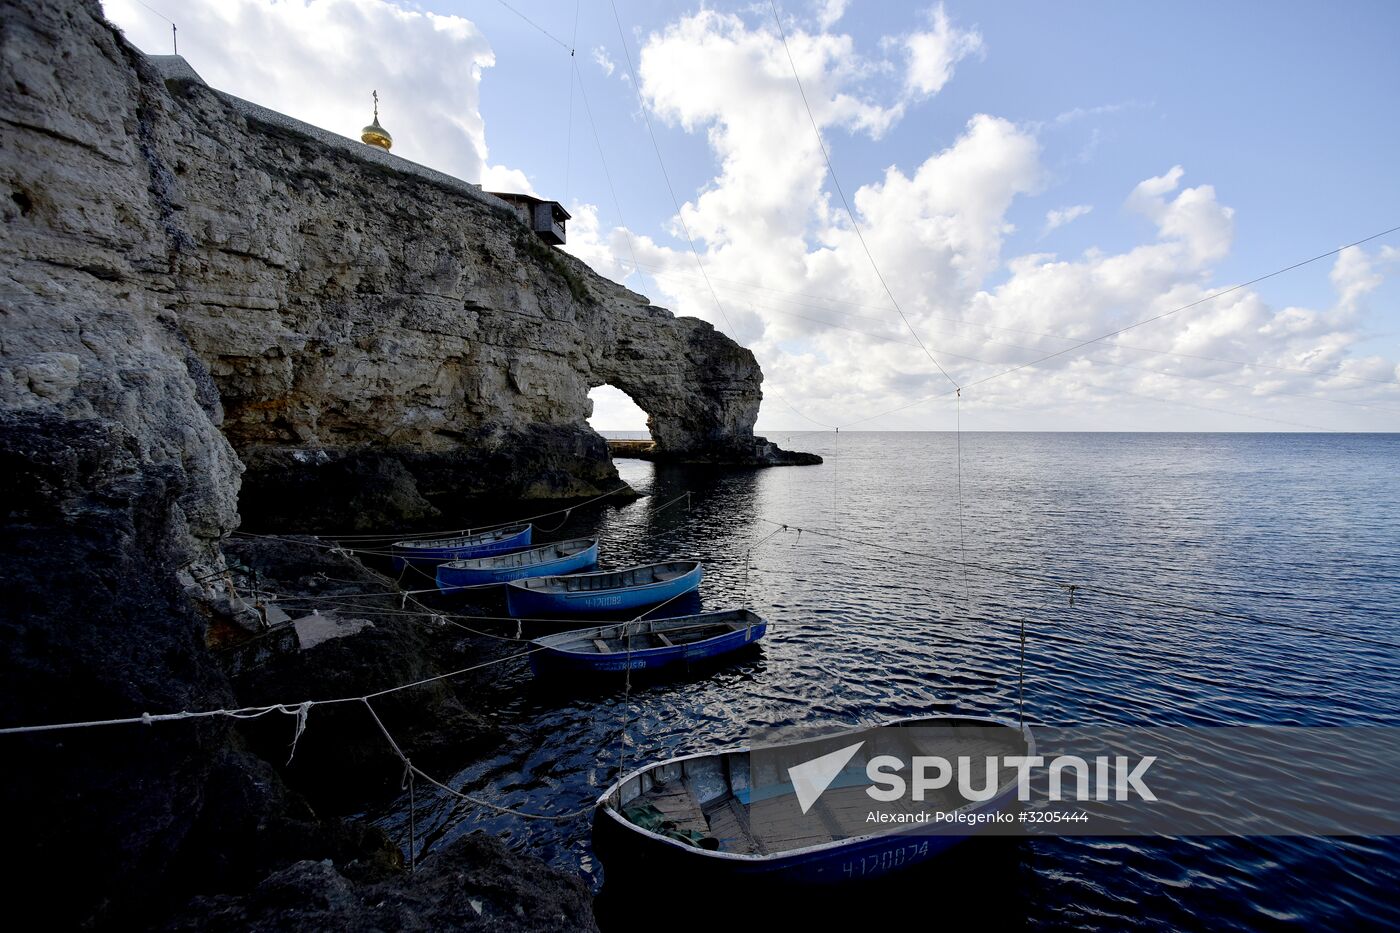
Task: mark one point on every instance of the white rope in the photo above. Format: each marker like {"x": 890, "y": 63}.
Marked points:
{"x": 627, "y": 683}
{"x": 302, "y": 711}
{"x": 476, "y": 801}
{"x": 486, "y": 804}
{"x": 254, "y": 712}
{"x": 336, "y": 548}
{"x": 748, "y": 555}
{"x": 146, "y": 719}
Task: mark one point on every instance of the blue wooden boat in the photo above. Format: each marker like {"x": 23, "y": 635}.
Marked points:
{"x": 689, "y": 817}
{"x": 481, "y": 544}
{"x": 608, "y": 591}
{"x": 648, "y": 644}
{"x": 553, "y": 558}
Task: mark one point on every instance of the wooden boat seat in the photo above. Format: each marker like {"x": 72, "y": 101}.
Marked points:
{"x": 729, "y": 823}
{"x": 661, "y": 637}
{"x": 602, "y": 646}
{"x": 678, "y": 804}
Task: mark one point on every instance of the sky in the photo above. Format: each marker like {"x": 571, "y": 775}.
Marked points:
{"x": 1022, "y": 176}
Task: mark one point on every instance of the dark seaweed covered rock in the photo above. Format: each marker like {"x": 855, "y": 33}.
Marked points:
{"x": 189, "y": 290}
{"x": 94, "y": 625}
{"x": 475, "y": 883}
{"x": 342, "y": 760}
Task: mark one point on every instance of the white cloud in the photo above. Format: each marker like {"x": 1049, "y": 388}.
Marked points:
{"x": 600, "y": 56}
{"x": 1147, "y": 196}
{"x": 318, "y": 60}
{"x": 614, "y": 410}
{"x": 798, "y": 289}
{"x": 769, "y": 218}
{"x": 1193, "y": 218}
{"x": 782, "y": 255}
{"x": 1058, "y": 218}
{"x": 607, "y": 251}
{"x": 933, "y": 53}
{"x": 1354, "y": 276}
{"x": 710, "y": 70}
{"x": 1075, "y": 114}
{"x": 500, "y": 178}
{"x": 829, "y": 12}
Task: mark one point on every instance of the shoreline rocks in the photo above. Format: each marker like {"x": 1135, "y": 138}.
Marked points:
{"x": 758, "y": 452}
{"x": 474, "y": 883}
{"x": 203, "y": 314}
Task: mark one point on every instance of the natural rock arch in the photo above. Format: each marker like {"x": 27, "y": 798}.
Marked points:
{"x": 614, "y": 410}
{"x": 699, "y": 389}
{"x": 192, "y": 289}
{"x": 377, "y": 342}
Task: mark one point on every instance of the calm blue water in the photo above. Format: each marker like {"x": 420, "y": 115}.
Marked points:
{"x": 1302, "y": 531}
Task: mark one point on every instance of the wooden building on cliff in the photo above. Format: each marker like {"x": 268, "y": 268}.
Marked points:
{"x": 545, "y": 218}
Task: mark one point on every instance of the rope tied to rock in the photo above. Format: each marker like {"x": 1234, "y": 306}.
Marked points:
{"x": 301, "y": 713}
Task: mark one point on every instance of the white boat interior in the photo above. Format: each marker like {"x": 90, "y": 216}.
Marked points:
{"x": 707, "y": 800}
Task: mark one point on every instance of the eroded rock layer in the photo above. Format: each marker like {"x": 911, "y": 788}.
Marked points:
{"x": 193, "y": 299}
{"x": 312, "y": 301}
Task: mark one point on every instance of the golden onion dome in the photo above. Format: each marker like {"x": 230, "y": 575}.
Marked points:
{"x": 376, "y": 135}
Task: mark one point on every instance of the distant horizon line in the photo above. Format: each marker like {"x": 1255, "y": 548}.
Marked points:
{"x": 785, "y": 431}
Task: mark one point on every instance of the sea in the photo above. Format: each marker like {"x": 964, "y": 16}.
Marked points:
{"x": 1255, "y": 579}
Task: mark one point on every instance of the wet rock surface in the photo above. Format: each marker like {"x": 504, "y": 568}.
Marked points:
{"x": 342, "y": 761}
{"x": 755, "y": 452}
{"x": 475, "y": 883}
{"x": 119, "y": 819}
{"x": 203, "y": 313}
{"x": 125, "y": 823}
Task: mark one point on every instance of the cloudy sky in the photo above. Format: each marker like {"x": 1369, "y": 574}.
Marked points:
{"x": 1026, "y": 176}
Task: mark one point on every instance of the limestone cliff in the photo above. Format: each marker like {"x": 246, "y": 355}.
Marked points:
{"x": 194, "y": 298}
{"x": 337, "y": 314}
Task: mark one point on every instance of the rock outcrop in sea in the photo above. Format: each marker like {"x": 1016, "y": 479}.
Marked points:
{"x": 208, "y": 316}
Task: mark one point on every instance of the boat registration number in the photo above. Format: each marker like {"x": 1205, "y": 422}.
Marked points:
{"x": 879, "y": 862}
{"x": 602, "y": 601}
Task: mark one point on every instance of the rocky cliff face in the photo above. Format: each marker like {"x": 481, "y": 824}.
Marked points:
{"x": 180, "y": 264}
{"x": 193, "y": 298}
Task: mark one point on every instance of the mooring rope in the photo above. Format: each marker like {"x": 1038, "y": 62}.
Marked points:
{"x": 302, "y": 709}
